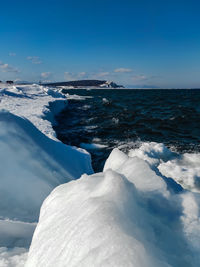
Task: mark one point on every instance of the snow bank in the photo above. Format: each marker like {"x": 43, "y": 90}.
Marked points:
{"x": 125, "y": 216}
{"x": 152, "y": 152}
{"x": 184, "y": 169}
{"x": 131, "y": 214}
{"x": 36, "y": 103}
{"x": 32, "y": 162}
{"x": 136, "y": 171}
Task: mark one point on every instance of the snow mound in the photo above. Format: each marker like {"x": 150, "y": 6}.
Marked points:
{"x": 184, "y": 169}
{"x": 124, "y": 216}
{"x": 32, "y": 162}
{"x": 31, "y": 166}
{"x": 136, "y": 171}
{"x": 152, "y": 152}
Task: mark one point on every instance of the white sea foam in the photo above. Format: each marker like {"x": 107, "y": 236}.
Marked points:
{"x": 13, "y": 257}
{"x": 92, "y": 146}
{"x": 105, "y": 101}
{"x": 90, "y": 127}
{"x": 77, "y": 97}
{"x": 115, "y": 120}
{"x": 85, "y": 107}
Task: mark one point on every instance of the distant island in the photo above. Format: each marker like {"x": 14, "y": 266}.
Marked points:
{"x": 86, "y": 84}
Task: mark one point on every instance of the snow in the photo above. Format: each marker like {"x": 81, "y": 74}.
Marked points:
{"x": 33, "y": 102}
{"x": 38, "y": 164}
{"x": 141, "y": 211}
{"x": 152, "y": 152}
{"x": 32, "y": 161}
{"x": 184, "y": 169}
{"x": 136, "y": 171}
{"x": 125, "y": 216}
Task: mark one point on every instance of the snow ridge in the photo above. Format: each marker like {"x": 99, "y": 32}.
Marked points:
{"x": 32, "y": 161}
{"x": 124, "y": 216}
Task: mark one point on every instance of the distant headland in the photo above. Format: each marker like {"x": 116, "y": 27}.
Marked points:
{"x": 86, "y": 84}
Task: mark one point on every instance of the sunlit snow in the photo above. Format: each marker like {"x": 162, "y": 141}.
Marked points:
{"x": 141, "y": 211}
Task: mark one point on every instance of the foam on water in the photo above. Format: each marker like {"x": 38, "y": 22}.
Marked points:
{"x": 92, "y": 146}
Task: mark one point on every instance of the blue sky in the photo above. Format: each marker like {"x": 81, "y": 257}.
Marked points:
{"x": 137, "y": 43}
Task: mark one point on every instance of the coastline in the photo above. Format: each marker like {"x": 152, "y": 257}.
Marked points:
{"x": 113, "y": 217}
{"x": 39, "y": 162}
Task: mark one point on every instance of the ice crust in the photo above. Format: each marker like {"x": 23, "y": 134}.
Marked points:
{"x": 125, "y": 216}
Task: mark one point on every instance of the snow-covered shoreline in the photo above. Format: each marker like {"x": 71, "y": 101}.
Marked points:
{"x": 127, "y": 215}
{"x": 33, "y": 162}
{"x": 130, "y": 214}
{"x": 36, "y": 103}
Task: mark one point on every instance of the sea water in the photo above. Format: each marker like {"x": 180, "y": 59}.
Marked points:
{"x": 101, "y": 120}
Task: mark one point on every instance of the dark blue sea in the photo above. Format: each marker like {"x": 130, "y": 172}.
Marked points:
{"x": 124, "y": 118}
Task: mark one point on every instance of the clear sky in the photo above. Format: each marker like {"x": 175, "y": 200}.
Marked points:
{"x": 139, "y": 43}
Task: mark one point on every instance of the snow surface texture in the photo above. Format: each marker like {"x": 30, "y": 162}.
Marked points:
{"x": 32, "y": 163}
{"x": 128, "y": 215}
{"x": 184, "y": 169}
{"x": 36, "y": 103}
{"x": 132, "y": 214}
